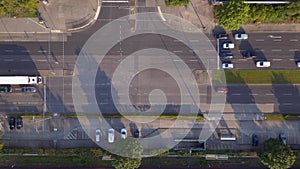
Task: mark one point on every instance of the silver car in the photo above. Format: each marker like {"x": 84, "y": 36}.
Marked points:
{"x": 111, "y": 135}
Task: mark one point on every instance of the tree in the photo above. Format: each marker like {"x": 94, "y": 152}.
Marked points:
{"x": 18, "y": 7}
{"x": 128, "y": 153}
{"x": 231, "y": 15}
{"x": 276, "y": 155}
{"x": 177, "y": 2}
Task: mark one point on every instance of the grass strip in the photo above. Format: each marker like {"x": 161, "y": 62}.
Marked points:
{"x": 259, "y": 76}
{"x": 274, "y": 117}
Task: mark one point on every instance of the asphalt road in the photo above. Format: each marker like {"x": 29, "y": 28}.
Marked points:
{"x": 26, "y": 58}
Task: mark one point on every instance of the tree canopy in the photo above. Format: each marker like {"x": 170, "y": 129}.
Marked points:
{"x": 128, "y": 155}
{"x": 233, "y": 14}
{"x": 18, "y": 8}
{"x": 177, "y": 2}
{"x": 276, "y": 155}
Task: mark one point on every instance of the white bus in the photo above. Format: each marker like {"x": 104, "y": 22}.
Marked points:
{"x": 20, "y": 80}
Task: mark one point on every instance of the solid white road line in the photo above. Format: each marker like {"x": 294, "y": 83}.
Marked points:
{"x": 276, "y": 50}
{"x": 293, "y": 40}
{"x": 277, "y": 59}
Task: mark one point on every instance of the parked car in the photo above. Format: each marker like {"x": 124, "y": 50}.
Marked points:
{"x": 241, "y": 36}
{"x": 111, "y": 135}
{"x": 263, "y": 64}
{"x": 28, "y": 89}
{"x": 227, "y": 65}
{"x": 5, "y": 89}
{"x": 221, "y": 36}
{"x": 249, "y": 54}
{"x": 298, "y": 64}
{"x": 19, "y": 123}
{"x": 44, "y": 2}
{"x": 12, "y": 123}
{"x": 97, "y": 135}
{"x": 228, "y": 45}
{"x": 123, "y": 133}
{"x": 227, "y": 55}
{"x": 136, "y": 133}
{"x": 222, "y": 90}
{"x": 254, "y": 140}
{"x": 282, "y": 137}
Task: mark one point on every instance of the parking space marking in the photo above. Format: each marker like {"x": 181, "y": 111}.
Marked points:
{"x": 194, "y": 60}
{"x": 42, "y": 60}
{"x": 276, "y": 50}
{"x": 292, "y": 59}
{"x": 293, "y": 40}
{"x": 259, "y": 40}
{"x": 235, "y": 94}
{"x": 177, "y": 51}
{"x": 293, "y": 50}
{"x": 277, "y": 59}
{"x": 243, "y": 59}
{"x": 277, "y": 40}
{"x": 253, "y": 94}
{"x": 42, "y": 51}
{"x": 269, "y": 94}
{"x": 178, "y": 60}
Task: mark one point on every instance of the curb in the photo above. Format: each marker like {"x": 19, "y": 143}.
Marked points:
{"x": 89, "y": 23}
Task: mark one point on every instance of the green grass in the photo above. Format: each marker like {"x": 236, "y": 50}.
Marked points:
{"x": 292, "y": 117}
{"x": 177, "y": 2}
{"x": 259, "y": 76}
{"x": 274, "y": 117}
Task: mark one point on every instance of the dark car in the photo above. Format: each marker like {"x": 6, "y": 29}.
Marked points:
{"x": 19, "y": 122}
{"x": 5, "y": 89}
{"x": 12, "y": 123}
{"x": 28, "y": 89}
{"x": 282, "y": 137}
{"x": 249, "y": 55}
{"x": 136, "y": 134}
{"x": 221, "y": 36}
{"x": 226, "y": 55}
{"x": 254, "y": 140}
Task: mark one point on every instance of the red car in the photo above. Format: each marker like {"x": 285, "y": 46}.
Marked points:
{"x": 223, "y": 90}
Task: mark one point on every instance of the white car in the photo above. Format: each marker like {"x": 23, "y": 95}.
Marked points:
{"x": 298, "y": 64}
{"x": 263, "y": 64}
{"x": 228, "y": 45}
{"x": 111, "y": 135}
{"x": 227, "y": 66}
{"x": 97, "y": 135}
{"x": 240, "y": 36}
{"x": 123, "y": 133}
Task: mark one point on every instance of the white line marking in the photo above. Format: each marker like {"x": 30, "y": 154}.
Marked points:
{"x": 235, "y": 94}
{"x": 177, "y": 51}
{"x": 42, "y": 60}
{"x": 194, "y": 60}
{"x": 291, "y": 59}
{"x": 276, "y": 50}
{"x": 277, "y": 59}
{"x": 242, "y": 59}
{"x": 253, "y": 94}
{"x": 287, "y": 104}
{"x": 293, "y": 40}
{"x": 277, "y": 40}
{"x": 210, "y": 50}
{"x": 178, "y": 60}
{"x": 8, "y": 60}
{"x": 259, "y": 40}
{"x": 42, "y": 51}
{"x": 270, "y": 94}
{"x": 287, "y": 94}
{"x": 160, "y": 14}
{"x": 25, "y": 51}
{"x": 9, "y": 51}
{"x": 260, "y": 50}
{"x": 293, "y": 50}
{"x": 25, "y": 60}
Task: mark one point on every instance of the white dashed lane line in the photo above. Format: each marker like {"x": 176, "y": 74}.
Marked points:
{"x": 287, "y": 94}
{"x": 277, "y": 40}
{"x": 253, "y": 94}
{"x": 9, "y": 51}
{"x": 293, "y": 40}
{"x": 8, "y": 60}
{"x": 269, "y": 94}
{"x": 287, "y": 104}
{"x": 259, "y": 40}
{"x": 236, "y": 94}
{"x": 277, "y": 59}
{"x": 276, "y": 50}
{"x": 293, "y": 50}
{"x": 177, "y": 51}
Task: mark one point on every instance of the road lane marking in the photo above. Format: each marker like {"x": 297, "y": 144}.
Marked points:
{"x": 276, "y": 50}
{"x": 25, "y": 60}
{"x": 292, "y": 59}
{"x": 269, "y": 94}
{"x": 8, "y": 60}
{"x": 115, "y": 1}
{"x": 9, "y": 51}
{"x": 194, "y": 60}
{"x": 293, "y": 50}
{"x": 287, "y": 104}
{"x": 42, "y": 51}
{"x": 287, "y": 94}
{"x": 277, "y": 40}
{"x": 25, "y": 51}
{"x": 178, "y": 60}
{"x": 277, "y": 59}
{"x": 243, "y": 59}
{"x": 293, "y": 40}
{"x": 177, "y": 51}
{"x": 259, "y": 50}
{"x": 194, "y": 40}
{"x": 235, "y": 94}
{"x": 253, "y": 94}
{"x": 259, "y": 40}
